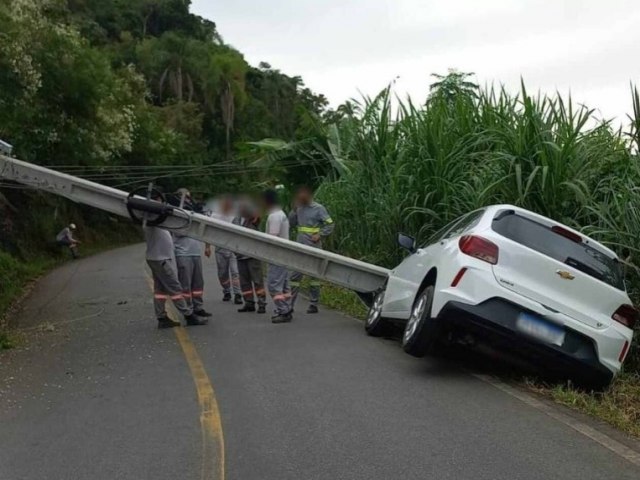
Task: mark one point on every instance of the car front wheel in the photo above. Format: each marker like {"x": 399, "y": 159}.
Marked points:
{"x": 375, "y": 325}
{"x": 421, "y": 331}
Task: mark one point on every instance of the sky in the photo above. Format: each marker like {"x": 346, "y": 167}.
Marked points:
{"x": 346, "y": 48}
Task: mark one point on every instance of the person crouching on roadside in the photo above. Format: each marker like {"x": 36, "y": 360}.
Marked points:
{"x": 66, "y": 239}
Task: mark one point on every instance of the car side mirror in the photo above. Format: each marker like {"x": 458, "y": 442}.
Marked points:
{"x": 407, "y": 242}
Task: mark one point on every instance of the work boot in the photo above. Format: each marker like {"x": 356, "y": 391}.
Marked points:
{"x": 248, "y": 307}
{"x": 226, "y": 297}
{"x": 193, "y": 320}
{"x": 237, "y": 299}
{"x": 312, "y": 309}
{"x": 283, "y": 318}
{"x": 166, "y": 322}
{"x": 262, "y": 309}
{"x": 202, "y": 313}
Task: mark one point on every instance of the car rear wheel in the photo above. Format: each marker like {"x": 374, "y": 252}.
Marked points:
{"x": 421, "y": 331}
{"x": 375, "y": 325}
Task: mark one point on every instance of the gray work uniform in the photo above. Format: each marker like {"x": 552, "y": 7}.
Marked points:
{"x": 250, "y": 272}
{"x": 227, "y": 265}
{"x": 309, "y": 220}
{"x": 165, "y": 276}
{"x": 188, "y": 253}
{"x": 277, "y": 276}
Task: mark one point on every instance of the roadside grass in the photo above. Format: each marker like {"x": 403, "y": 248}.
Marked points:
{"x": 344, "y": 300}
{"x": 16, "y": 275}
{"x": 6, "y": 342}
{"x": 619, "y": 406}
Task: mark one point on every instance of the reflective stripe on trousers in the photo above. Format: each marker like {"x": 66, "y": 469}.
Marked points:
{"x": 278, "y": 285}
{"x": 166, "y": 285}
{"x": 251, "y": 281}
{"x": 192, "y": 280}
{"x": 228, "y": 275}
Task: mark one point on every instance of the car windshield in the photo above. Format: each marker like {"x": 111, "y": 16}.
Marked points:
{"x": 553, "y": 243}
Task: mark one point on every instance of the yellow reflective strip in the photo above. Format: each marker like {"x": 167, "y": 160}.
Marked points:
{"x": 309, "y": 229}
{"x": 329, "y": 221}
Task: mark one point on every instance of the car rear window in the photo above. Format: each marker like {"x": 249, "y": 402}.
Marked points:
{"x": 543, "y": 239}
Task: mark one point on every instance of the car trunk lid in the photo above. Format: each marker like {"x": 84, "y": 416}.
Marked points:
{"x": 558, "y": 268}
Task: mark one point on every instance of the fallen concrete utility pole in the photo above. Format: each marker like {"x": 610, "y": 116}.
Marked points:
{"x": 363, "y": 278}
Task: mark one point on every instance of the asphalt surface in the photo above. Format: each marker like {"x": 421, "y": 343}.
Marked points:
{"x": 96, "y": 392}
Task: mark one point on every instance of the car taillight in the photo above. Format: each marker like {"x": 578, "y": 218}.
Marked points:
{"x": 480, "y": 248}
{"x": 627, "y": 315}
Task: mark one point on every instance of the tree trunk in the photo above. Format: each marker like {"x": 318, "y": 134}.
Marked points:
{"x": 228, "y": 112}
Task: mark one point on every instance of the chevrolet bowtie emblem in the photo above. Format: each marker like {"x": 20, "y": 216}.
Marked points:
{"x": 565, "y": 275}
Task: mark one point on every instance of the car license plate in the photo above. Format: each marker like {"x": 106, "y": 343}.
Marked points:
{"x": 538, "y": 328}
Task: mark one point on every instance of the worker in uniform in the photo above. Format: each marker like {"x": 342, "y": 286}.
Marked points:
{"x": 226, "y": 261}
{"x": 312, "y": 223}
{"x": 66, "y": 239}
{"x": 250, "y": 269}
{"x": 166, "y": 286}
{"x": 188, "y": 253}
{"x": 277, "y": 276}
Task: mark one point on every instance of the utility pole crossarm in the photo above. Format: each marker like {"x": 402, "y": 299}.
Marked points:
{"x": 344, "y": 271}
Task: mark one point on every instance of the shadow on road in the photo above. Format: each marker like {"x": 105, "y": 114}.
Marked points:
{"x": 455, "y": 360}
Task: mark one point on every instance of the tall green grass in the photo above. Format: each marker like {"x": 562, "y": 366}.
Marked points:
{"x": 414, "y": 167}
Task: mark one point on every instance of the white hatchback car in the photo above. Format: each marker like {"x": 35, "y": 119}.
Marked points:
{"x": 521, "y": 283}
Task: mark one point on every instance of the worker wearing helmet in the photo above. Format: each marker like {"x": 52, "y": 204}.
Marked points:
{"x": 66, "y": 239}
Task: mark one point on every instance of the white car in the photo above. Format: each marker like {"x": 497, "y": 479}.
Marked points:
{"x": 519, "y": 282}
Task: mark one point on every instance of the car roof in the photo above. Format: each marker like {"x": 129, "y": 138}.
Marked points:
{"x": 528, "y": 213}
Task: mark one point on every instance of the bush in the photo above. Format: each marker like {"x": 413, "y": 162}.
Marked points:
{"x": 417, "y": 169}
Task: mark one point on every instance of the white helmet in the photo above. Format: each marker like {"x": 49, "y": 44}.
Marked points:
{"x": 184, "y": 191}
{"x": 72, "y": 226}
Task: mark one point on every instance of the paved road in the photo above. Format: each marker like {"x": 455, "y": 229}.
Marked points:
{"x": 96, "y": 392}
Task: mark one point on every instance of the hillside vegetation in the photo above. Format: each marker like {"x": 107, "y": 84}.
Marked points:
{"x": 123, "y": 92}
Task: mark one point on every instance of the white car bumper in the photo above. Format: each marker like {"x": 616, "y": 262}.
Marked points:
{"x": 482, "y": 304}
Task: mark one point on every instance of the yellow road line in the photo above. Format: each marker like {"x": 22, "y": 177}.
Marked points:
{"x": 212, "y": 466}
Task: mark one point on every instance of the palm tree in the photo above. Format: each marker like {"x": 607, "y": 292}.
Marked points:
{"x": 228, "y": 107}
{"x": 232, "y": 71}
{"x": 169, "y": 59}
{"x": 176, "y": 74}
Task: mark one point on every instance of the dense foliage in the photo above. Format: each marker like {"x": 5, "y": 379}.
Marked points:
{"x": 144, "y": 83}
